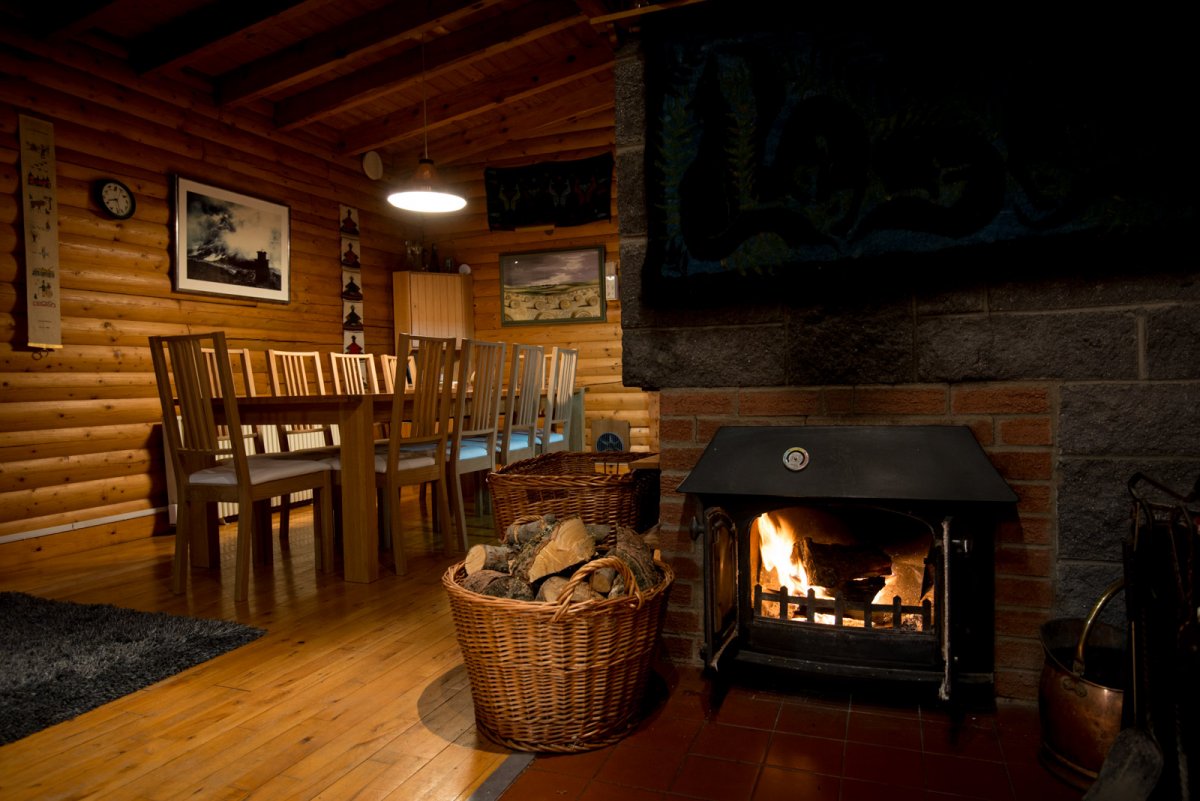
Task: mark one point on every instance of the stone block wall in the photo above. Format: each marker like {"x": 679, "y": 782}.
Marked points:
{"x": 1075, "y": 364}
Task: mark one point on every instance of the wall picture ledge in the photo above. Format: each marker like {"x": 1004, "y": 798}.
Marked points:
{"x": 232, "y": 244}
{"x": 552, "y": 286}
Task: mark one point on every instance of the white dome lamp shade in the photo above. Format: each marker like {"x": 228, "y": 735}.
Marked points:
{"x": 423, "y": 192}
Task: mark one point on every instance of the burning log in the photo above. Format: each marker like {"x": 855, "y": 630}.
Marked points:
{"x": 833, "y": 565}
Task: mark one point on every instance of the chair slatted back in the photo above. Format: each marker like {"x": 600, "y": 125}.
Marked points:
{"x": 354, "y": 374}
{"x": 297, "y": 373}
{"x": 523, "y": 402}
{"x": 560, "y": 390}
{"x": 387, "y": 366}
{"x": 243, "y": 372}
{"x": 433, "y": 385}
{"x": 187, "y": 391}
{"x": 481, "y": 376}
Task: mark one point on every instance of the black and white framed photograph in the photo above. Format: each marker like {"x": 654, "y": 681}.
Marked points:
{"x": 228, "y": 243}
{"x": 552, "y": 286}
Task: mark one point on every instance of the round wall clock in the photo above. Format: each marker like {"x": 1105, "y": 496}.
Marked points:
{"x": 114, "y": 197}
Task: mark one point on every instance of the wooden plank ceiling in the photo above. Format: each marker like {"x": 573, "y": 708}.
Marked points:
{"x": 491, "y": 82}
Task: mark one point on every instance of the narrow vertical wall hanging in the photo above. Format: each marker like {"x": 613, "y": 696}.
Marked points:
{"x": 39, "y": 197}
{"x": 353, "y": 338}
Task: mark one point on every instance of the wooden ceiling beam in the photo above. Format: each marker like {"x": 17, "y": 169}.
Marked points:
{"x": 201, "y": 28}
{"x": 511, "y": 88}
{"x": 59, "y": 19}
{"x": 507, "y": 149}
{"x": 483, "y": 40}
{"x": 361, "y": 36}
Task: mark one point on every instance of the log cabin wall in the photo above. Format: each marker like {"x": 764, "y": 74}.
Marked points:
{"x": 80, "y": 458}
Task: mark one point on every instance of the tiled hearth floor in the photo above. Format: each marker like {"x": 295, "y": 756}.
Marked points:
{"x": 767, "y": 746}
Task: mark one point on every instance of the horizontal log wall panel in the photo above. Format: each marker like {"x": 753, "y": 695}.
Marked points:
{"x": 26, "y": 551}
{"x": 68, "y": 517}
{"x": 42, "y": 443}
{"x": 45, "y": 507}
{"x": 80, "y": 431}
{"x": 34, "y": 473}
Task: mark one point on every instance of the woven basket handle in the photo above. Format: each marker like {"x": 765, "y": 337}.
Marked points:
{"x": 564, "y": 598}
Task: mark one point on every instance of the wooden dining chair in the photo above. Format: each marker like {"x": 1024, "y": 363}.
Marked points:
{"x": 243, "y": 380}
{"x": 354, "y": 373}
{"x": 555, "y": 433}
{"x": 417, "y": 447}
{"x": 522, "y": 404}
{"x": 209, "y": 469}
{"x": 299, "y": 373}
{"x": 388, "y": 366}
{"x": 476, "y": 421}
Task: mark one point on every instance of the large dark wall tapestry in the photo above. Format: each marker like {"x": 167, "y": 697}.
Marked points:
{"x": 552, "y": 193}
{"x": 786, "y": 154}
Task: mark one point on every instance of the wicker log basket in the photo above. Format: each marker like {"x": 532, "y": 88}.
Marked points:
{"x": 566, "y": 483}
{"x": 558, "y": 677}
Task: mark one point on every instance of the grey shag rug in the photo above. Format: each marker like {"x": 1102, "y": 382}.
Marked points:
{"x": 60, "y": 659}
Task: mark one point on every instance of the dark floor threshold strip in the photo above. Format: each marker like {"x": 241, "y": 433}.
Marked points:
{"x": 502, "y": 777}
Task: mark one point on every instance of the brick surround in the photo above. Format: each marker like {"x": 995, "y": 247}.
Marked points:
{"x": 1072, "y": 376}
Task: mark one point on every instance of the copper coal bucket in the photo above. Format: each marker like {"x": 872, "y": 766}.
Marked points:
{"x": 1079, "y": 699}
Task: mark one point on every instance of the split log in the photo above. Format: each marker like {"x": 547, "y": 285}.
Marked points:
{"x": 487, "y": 557}
{"x": 553, "y": 586}
{"x": 831, "y": 564}
{"x": 520, "y": 534}
{"x": 603, "y": 579}
{"x": 498, "y": 585}
{"x": 567, "y": 547}
{"x": 631, "y": 549}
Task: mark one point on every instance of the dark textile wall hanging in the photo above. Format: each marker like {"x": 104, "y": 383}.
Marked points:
{"x": 773, "y": 153}
{"x": 558, "y": 193}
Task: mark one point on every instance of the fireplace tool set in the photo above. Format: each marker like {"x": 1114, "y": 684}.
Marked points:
{"x": 1156, "y": 755}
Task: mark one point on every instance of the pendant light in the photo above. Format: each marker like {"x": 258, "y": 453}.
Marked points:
{"x": 423, "y": 193}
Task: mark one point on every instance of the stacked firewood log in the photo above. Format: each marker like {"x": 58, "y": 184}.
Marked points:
{"x": 537, "y": 557}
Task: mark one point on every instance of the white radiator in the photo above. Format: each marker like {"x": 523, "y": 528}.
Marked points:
{"x": 270, "y": 435}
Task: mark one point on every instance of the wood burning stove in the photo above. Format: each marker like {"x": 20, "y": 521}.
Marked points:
{"x": 855, "y": 552}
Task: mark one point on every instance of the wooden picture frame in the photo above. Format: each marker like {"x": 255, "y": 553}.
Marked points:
{"x": 232, "y": 244}
{"x": 553, "y": 286}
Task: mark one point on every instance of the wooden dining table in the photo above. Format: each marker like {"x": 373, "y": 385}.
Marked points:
{"x": 355, "y": 416}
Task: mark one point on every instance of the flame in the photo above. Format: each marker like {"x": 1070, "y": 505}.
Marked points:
{"x": 780, "y": 565}
{"x": 777, "y": 550}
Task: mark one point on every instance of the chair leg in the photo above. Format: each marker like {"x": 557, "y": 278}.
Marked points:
{"x": 285, "y": 509}
{"x": 391, "y": 513}
{"x": 241, "y": 581}
{"x": 459, "y": 520}
{"x": 444, "y": 523}
{"x": 179, "y": 564}
{"x": 324, "y": 527}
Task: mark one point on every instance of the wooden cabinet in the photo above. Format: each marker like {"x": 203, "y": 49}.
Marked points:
{"x": 433, "y": 304}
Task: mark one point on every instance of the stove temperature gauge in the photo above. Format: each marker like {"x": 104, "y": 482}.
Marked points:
{"x": 795, "y": 459}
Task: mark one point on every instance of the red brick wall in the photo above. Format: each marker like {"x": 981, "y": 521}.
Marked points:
{"x": 1013, "y": 422}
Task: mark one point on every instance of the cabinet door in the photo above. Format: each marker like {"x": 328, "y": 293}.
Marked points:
{"x": 433, "y": 304}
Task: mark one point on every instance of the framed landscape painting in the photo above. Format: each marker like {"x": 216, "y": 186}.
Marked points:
{"x": 228, "y": 243}
{"x": 552, "y": 286}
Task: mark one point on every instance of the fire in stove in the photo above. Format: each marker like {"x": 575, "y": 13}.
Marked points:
{"x": 810, "y": 566}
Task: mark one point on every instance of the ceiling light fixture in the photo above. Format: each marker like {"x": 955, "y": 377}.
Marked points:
{"x": 423, "y": 193}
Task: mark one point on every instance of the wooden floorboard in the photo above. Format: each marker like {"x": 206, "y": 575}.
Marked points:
{"x": 356, "y": 691}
